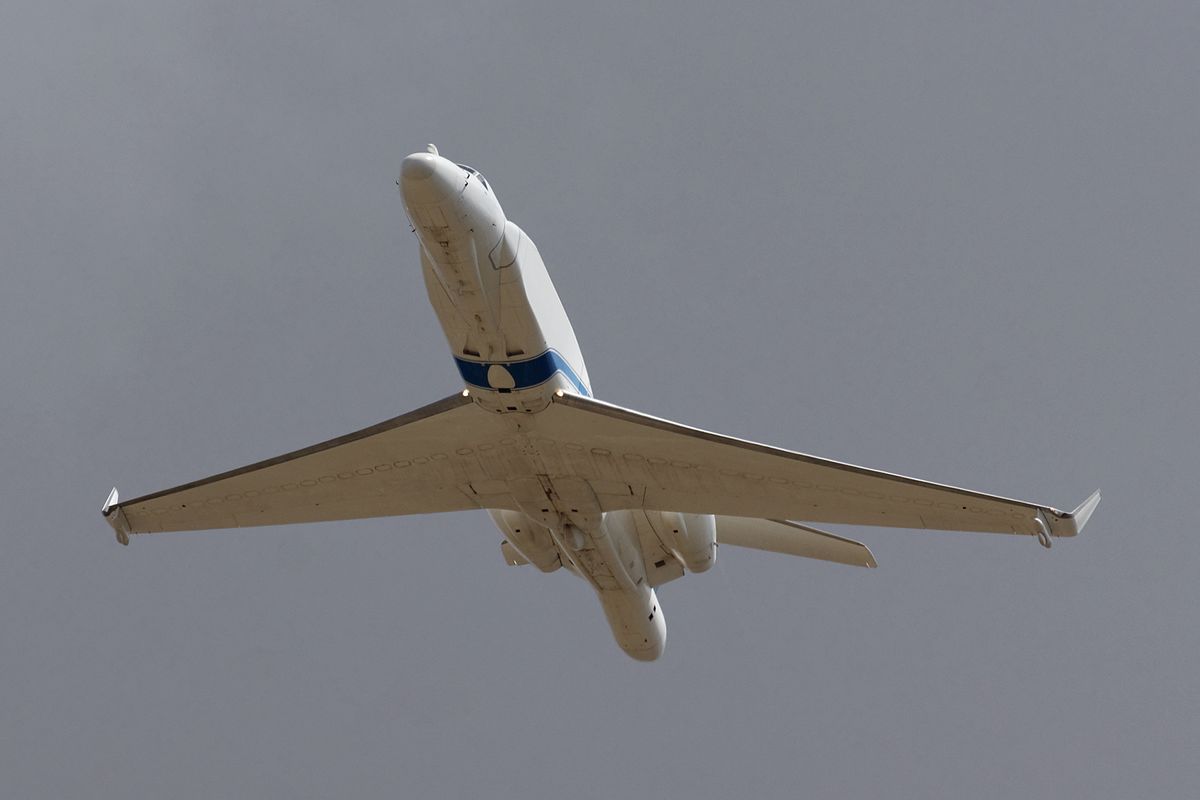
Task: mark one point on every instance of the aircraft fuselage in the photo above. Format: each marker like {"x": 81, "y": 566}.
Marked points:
{"x": 515, "y": 349}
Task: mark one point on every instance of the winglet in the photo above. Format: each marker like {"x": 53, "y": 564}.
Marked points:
{"x": 1082, "y": 514}
{"x": 115, "y": 516}
{"x": 1066, "y": 525}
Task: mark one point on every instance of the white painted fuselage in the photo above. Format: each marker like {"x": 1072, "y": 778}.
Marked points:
{"x": 516, "y": 349}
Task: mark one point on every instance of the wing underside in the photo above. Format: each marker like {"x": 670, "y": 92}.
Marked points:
{"x": 453, "y": 455}
{"x": 405, "y": 465}
{"x": 668, "y": 466}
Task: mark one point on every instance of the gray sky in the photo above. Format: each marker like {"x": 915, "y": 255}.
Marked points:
{"x": 942, "y": 239}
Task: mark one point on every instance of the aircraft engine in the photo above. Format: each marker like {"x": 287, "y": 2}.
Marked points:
{"x": 532, "y": 541}
{"x": 691, "y": 537}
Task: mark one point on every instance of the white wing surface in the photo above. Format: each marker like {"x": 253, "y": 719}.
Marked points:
{"x": 672, "y": 467}
{"x": 405, "y": 465}
{"x": 454, "y": 455}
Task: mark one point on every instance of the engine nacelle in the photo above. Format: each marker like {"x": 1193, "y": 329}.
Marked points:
{"x": 691, "y": 537}
{"x": 531, "y": 541}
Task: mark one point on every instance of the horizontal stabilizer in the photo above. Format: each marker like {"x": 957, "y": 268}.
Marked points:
{"x": 790, "y": 538}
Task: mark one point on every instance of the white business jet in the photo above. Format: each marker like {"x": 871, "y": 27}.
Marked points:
{"x": 623, "y": 500}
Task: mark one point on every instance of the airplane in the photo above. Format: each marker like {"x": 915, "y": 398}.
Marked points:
{"x": 624, "y": 500}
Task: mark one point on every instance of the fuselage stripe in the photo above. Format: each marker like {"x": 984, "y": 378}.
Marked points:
{"x": 526, "y": 374}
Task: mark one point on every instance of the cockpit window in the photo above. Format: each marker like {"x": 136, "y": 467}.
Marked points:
{"x": 477, "y": 174}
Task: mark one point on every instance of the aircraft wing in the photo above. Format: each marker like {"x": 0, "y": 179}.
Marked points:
{"x": 671, "y": 467}
{"x": 405, "y": 465}
{"x": 453, "y": 455}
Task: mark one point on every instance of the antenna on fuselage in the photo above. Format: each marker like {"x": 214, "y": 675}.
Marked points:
{"x": 431, "y": 148}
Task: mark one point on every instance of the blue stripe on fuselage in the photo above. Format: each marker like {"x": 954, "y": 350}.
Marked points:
{"x": 526, "y": 374}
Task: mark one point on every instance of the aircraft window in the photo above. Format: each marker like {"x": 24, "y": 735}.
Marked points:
{"x": 477, "y": 174}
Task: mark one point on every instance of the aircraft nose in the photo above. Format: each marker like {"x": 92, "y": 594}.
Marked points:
{"x": 428, "y": 179}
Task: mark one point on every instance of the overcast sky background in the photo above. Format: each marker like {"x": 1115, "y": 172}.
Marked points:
{"x": 952, "y": 240}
